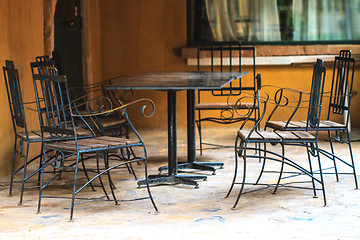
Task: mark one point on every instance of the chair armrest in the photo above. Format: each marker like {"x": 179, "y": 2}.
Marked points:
{"x": 288, "y": 98}
{"x": 101, "y": 111}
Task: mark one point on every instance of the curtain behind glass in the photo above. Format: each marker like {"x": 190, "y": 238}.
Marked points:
{"x": 326, "y": 20}
{"x": 251, "y": 20}
{"x": 258, "y": 20}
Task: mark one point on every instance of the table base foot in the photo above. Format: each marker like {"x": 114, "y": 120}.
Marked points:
{"x": 205, "y": 166}
{"x": 173, "y": 179}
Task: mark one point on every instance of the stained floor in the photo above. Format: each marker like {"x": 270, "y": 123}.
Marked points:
{"x": 189, "y": 213}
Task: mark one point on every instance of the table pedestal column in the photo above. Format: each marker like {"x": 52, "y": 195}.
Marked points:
{"x": 191, "y": 142}
{"x": 172, "y": 177}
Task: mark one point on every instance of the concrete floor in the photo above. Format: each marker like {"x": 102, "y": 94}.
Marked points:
{"x": 188, "y": 213}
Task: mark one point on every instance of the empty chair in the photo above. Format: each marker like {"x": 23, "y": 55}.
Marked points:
{"x": 23, "y": 136}
{"x": 339, "y": 108}
{"x": 224, "y": 56}
{"x": 74, "y": 154}
{"x": 255, "y": 144}
{"x": 112, "y": 124}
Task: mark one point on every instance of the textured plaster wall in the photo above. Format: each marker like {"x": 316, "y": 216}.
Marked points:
{"x": 21, "y": 39}
{"x": 139, "y": 36}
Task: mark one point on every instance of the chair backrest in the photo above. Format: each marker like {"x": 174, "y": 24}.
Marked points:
{"x": 254, "y": 115}
{"x": 41, "y": 62}
{"x": 38, "y": 67}
{"x": 227, "y": 56}
{"x": 342, "y": 84}
{"x": 13, "y": 89}
{"x": 316, "y": 94}
{"x": 52, "y": 99}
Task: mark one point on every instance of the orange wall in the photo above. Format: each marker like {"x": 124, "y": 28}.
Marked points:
{"x": 21, "y": 39}
{"x": 141, "y": 35}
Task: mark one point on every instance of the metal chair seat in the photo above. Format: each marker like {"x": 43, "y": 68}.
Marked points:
{"x": 275, "y": 137}
{"x": 91, "y": 143}
{"x": 32, "y": 135}
{"x": 301, "y": 125}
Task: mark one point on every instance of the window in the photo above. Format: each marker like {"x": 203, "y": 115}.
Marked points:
{"x": 282, "y": 22}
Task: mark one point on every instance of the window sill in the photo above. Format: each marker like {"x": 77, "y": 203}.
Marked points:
{"x": 278, "y": 55}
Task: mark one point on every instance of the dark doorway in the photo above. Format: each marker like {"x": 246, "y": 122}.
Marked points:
{"x": 67, "y": 40}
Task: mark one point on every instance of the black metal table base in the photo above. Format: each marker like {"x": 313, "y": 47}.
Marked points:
{"x": 173, "y": 179}
{"x": 205, "y": 166}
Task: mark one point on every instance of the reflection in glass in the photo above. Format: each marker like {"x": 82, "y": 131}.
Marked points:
{"x": 276, "y": 20}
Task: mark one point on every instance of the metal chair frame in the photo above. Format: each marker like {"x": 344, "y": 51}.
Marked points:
{"x": 61, "y": 116}
{"x": 339, "y": 104}
{"x": 285, "y": 139}
{"x": 113, "y": 124}
{"x": 23, "y": 136}
{"x": 222, "y": 50}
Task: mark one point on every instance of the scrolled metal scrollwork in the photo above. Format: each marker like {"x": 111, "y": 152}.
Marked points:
{"x": 224, "y": 117}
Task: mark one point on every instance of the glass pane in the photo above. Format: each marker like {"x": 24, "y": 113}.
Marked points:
{"x": 276, "y": 20}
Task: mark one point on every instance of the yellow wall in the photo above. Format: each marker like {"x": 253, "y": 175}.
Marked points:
{"x": 21, "y": 39}
{"x": 141, "y": 35}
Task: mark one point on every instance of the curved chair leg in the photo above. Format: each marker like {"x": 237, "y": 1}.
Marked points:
{"x": 85, "y": 172}
{"x": 200, "y": 136}
{"x": 74, "y": 186}
{"x": 40, "y": 162}
{"x": 282, "y": 168}
{"x": 41, "y": 186}
{"x": 243, "y": 181}
{"x": 146, "y": 180}
{"x": 24, "y": 175}
{"x": 238, "y": 152}
{"x": 311, "y": 170}
{"x": 321, "y": 175}
{"x": 61, "y": 164}
{"x": 352, "y": 158}
{"x": 106, "y": 163}
{"x": 332, "y": 151}
{"x": 100, "y": 179}
{"x": 13, "y": 168}
{"x": 131, "y": 152}
{"x": 263, "y": 166}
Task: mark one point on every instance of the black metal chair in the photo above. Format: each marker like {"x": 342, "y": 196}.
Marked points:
{"x": 23, "y": 136}
{"x": 246, "y": 139}
{"x": 224, "y": 56}
{"x": 61, "y": 117}
{"x": 339, "y": 106}
{"x": 112, "y": 124}
{"x": 40, "y": 62}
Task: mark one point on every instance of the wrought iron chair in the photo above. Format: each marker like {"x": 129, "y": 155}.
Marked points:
{"x": 112, "y": 124}
{"x": 339, "y": 105}
{"x": 23, "y": 136}
{"x": 246, "y": 139}
{"x": 61, "y": 118}
{"x": 41, "y": 61}
{"x": 224, "y": 57}
{"x": 115, "y": 123}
